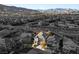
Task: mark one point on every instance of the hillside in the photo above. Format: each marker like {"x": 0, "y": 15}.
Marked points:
{"x": 13, "y": 10}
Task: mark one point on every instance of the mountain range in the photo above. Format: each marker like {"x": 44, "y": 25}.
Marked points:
{"x": 5, "y": 8}
{"x": 14, "y": 9}
{"x": 60, "y": 11}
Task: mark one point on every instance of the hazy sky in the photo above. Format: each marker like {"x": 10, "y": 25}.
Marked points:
{"x": 46, "y": 6}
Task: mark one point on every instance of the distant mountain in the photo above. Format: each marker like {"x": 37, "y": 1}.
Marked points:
{"x": 60, "y": 11}
{"x": 4, "y": 8}
{"x": 13, "y": 10}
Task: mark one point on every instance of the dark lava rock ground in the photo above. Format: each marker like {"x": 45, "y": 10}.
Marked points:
{"x": 18, "y": 40}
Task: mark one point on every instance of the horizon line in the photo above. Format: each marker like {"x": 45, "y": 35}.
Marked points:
{"x": 45, "y": 6}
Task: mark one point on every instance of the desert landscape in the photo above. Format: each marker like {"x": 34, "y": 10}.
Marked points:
{"x": 18, "y": 28}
